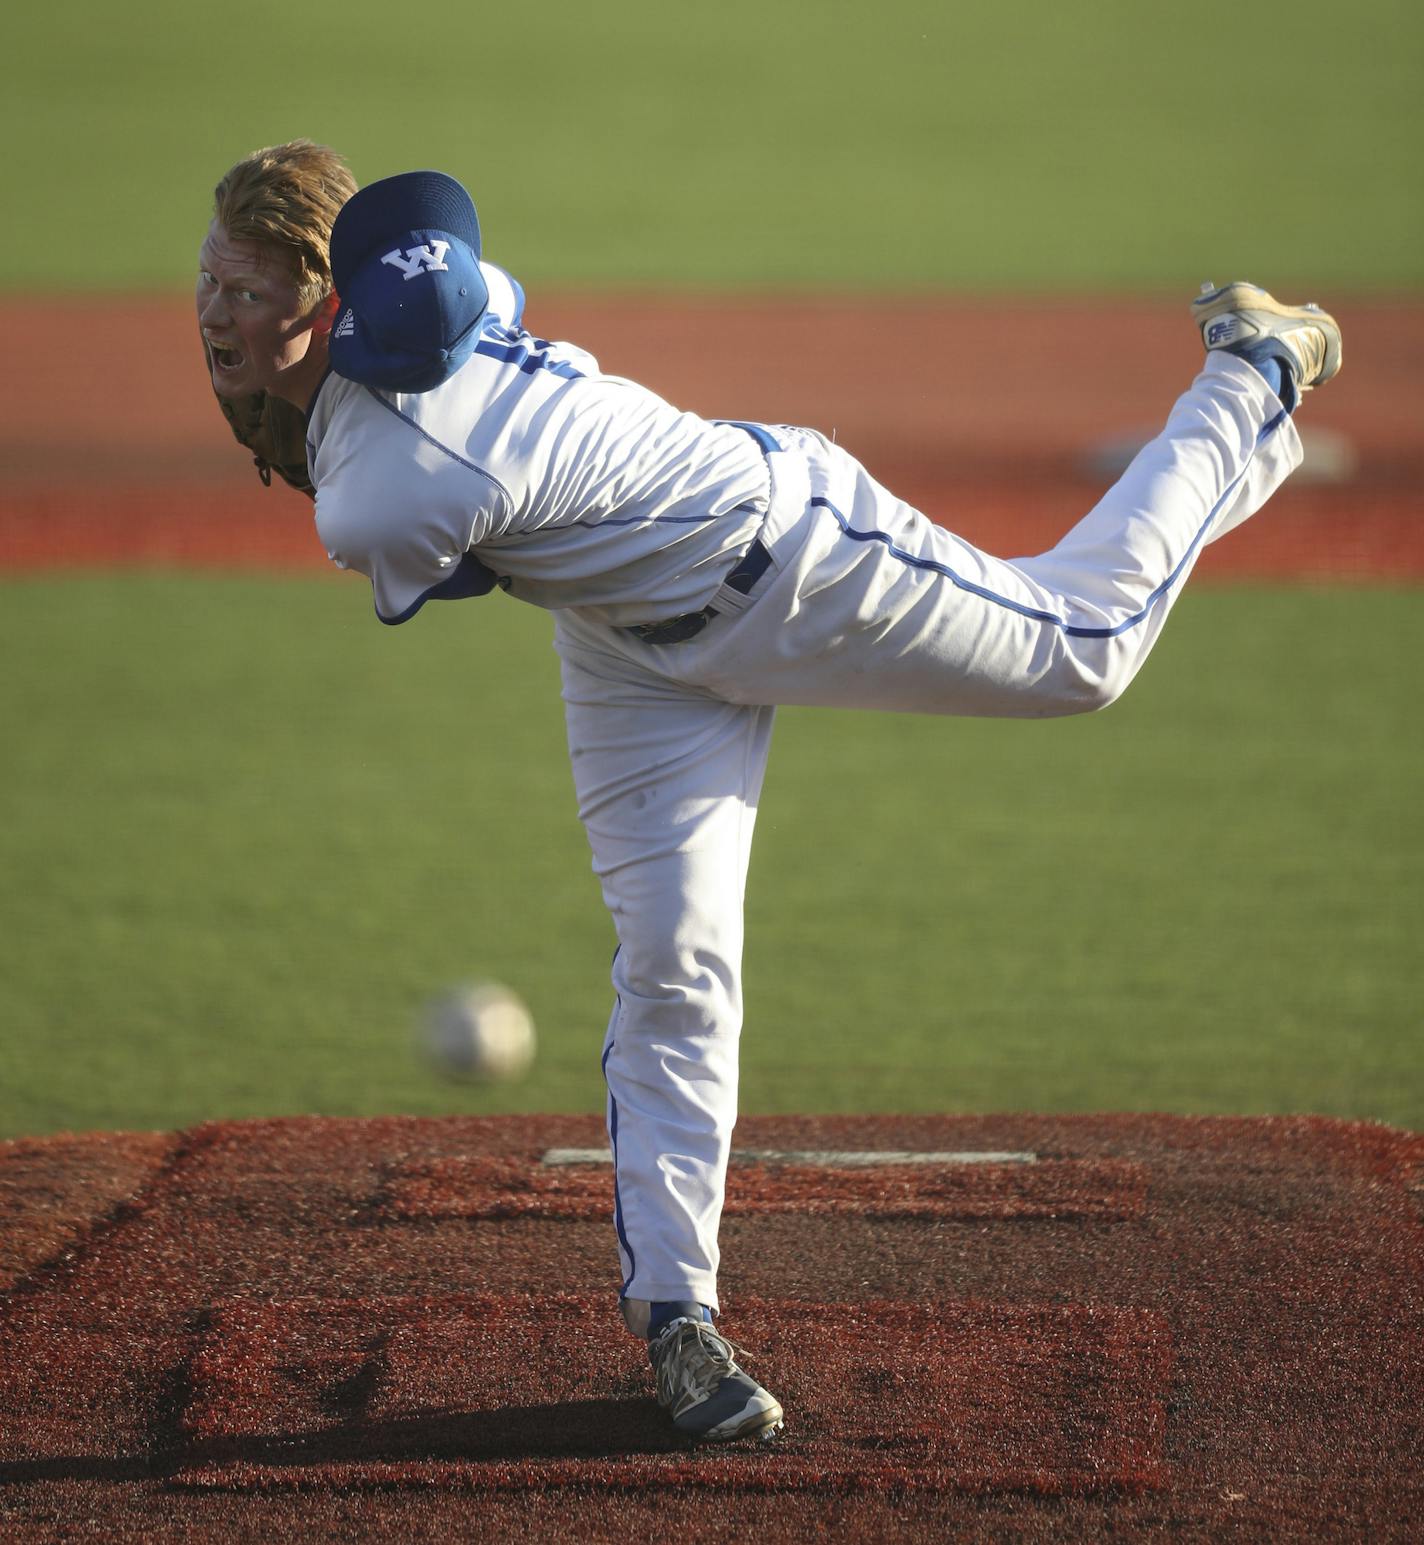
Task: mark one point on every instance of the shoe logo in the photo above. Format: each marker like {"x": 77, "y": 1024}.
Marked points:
{"x": 419, "y": 260}
{"x": 347, "y": 327}
{"x": 1224, "y": 330}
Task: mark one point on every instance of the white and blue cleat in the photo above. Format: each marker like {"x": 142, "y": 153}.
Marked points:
{"x": 1247, "y": 320}
{"x": 700, "y": 1385}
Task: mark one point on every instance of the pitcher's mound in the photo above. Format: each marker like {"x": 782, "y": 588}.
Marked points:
{"x": 1018, "y": 1327}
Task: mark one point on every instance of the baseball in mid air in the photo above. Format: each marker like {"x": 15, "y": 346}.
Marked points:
{"x": 480, "y": 1033}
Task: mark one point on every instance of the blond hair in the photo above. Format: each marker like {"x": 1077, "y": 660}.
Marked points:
{"x": 285, "y": 198}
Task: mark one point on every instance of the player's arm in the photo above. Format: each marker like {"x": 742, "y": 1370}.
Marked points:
{"x": 408, "y": 525}
{"x": 406, "y": 568}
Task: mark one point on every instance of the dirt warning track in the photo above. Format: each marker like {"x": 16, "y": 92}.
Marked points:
{"x": 1007, "y": 1327}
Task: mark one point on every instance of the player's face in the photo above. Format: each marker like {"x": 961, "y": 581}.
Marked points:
{"x": 259, "y": 334}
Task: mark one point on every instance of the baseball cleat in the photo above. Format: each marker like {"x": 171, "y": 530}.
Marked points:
{"x": 704, "y": 1391}
{"x": 1244, "y": 319}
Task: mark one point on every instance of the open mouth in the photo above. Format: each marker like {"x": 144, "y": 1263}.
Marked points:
{"x": 224, "y": 358}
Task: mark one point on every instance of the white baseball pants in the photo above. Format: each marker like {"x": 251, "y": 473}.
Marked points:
{"x": 868, "y": 604}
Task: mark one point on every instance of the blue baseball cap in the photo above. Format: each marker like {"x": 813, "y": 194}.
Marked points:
{"x": 405, "y": 260}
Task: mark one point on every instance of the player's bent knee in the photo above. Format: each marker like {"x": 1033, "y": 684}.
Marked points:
{"x": 1089, "y": 686}
{"x": 1102, "y": 694}
{"x": 1069, "y": 695}
{"x": 676, "y": 991}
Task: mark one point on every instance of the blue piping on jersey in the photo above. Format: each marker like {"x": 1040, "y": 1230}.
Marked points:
{"x": 1070, "y": 629}
{"x": 467, "y": 580}
{"x": 439, "y": 445}
{"x": 617, "y": 1196}
{"x": 641, "y": 520}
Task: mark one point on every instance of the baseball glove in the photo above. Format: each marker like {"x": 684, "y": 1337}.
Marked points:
{"x": 273, "y": 430}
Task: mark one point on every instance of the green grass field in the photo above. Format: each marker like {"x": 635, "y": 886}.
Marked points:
{"x": 250, "y": 830}
{"x": 764, "y": 143}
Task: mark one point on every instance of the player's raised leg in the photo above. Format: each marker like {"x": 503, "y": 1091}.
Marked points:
{"x": 909, "y": 616}
{"x": 668, "y": 783}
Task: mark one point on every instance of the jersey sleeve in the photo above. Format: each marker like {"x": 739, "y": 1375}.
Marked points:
{"x": 407, "y": 524}
{"x": 506, "y": 297}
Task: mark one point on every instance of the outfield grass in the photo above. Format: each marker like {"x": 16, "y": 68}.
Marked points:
{"x": 250, "y": 829}
{"x": 763, "y": 143}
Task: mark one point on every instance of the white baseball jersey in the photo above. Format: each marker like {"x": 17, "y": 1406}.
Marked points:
{"x": 580, "y": 490}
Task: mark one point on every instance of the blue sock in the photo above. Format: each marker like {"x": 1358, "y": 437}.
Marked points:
{"x": 663, "y": 1314}
{"x": 1277, "y": 374}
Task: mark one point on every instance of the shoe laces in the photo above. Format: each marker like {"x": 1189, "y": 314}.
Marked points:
{"x": 689, "y": 1361}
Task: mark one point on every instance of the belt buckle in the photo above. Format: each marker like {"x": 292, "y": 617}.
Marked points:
{"x": 742, "y": 580}
{"x": 676, "y": 630}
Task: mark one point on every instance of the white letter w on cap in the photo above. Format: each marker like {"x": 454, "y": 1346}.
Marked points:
{"x": 419, "y": 260}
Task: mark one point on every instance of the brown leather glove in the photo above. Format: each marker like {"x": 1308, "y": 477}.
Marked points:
{"x": 273, "y": 430}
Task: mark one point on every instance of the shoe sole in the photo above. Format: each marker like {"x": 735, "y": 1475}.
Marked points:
{"x": 763, "y": 1421}
{"x": 1260, "y": 310}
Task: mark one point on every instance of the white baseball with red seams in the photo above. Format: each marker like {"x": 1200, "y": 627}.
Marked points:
{"x": 591, "y": 496}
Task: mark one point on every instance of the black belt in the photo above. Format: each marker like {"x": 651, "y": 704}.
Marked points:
{"x": 677, "y": 630}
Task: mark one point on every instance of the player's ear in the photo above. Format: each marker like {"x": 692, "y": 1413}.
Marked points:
{"x": 325, "y": 317}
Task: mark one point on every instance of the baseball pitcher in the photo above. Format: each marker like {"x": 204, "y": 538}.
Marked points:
{"x": 700, "y": 574}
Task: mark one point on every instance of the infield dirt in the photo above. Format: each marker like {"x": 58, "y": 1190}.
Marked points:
{"x": 1003, "y": 419}
{"x": 407, "y": 1329}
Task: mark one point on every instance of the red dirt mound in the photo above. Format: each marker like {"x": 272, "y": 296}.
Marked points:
{"x": 484, "y": 1187}
{"x": 1010, "y": 1327}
